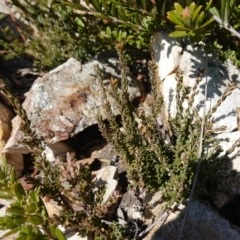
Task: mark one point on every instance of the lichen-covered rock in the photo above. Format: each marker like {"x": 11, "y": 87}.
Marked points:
{"x": 68, "y": 99}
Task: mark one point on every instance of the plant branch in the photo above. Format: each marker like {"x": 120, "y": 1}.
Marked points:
{"x": 199, "y": 153}
{"x": 226, "y": 26}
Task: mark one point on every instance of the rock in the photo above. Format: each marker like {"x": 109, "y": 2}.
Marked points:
{"x": 58, "y": 149}
{"x": 155, "y": 207}
{"x": 5, "y": 131}
{"x": 132, "y": 204}
{"x": 5, "y": 125}
{"x": 74, "y": 236}
{"x": 103, "y": 151}
{"x": 16, "y": 147}
{"x": 173, "y": 55}
{"x": 52, "y": 207}
{"x": 107, "y": 176}
{"x": 67, "y": 100}
{"x": 227, "y": 140}
{"x": 3, "y": 7}
{"x": 14, "y": 144}
{"x": 202, "y": 223}
{"x": 17, "y": 161}
{"x": 170, "y": 56}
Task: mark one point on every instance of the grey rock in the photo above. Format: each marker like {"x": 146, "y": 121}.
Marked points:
{"x": 5, "y": 126}
{"x": 202, "y": 223}
{"x": 108, "y": 177}
{"x": 68, "y": 99}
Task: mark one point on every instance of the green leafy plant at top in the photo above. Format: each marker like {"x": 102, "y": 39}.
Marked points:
{"x": 164, "y": 157}
{"x": 134, "y": 21}
{"x": 226, "y": 44}
{"x": 138, "y": 15}
{"x": 190, "y": 21}
{"x": 131, "y": 22}
{"x": 60, "y": 32}
{"x": 52, "y": 36}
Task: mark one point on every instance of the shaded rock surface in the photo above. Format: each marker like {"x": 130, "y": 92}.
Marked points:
{"x": 202, "y": 223}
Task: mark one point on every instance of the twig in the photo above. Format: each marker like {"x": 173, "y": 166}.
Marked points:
{"x": 161, "y": 218}
{"x": 16, "y": 23}
{"x": 199, "y": 154}
{"x": 136, "y": 229}
{"x": 226, "y": 26}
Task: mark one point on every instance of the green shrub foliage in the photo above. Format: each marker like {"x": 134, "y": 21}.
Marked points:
{"x": 158, "y": 153}
{"x": 163, "y": 156}
{"x": 61, "y": 29}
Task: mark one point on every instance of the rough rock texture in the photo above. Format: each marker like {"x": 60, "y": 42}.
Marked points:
{"x": 5, "y": 125}
{"x": 202, "y": 223}
{"x": 13, "y": 144}
{"x": 68, "y": 99}
{"x": 5, "y": 131}
{"x": 103, "y": 151}
{"x": 170, "y": 55}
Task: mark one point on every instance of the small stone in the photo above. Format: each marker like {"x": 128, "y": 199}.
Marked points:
{"x": 5, "y": 126}
{"x": 107, "y": 176}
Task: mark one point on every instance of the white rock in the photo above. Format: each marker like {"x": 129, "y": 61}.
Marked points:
{"x": 5, "y": 125}
{"x": 177, "y": 55}
{"x": 57, "y": 149}
{"x": 3, "y": 7}
{"x": 14, "y": 144}
{"x": 74, "y": 236}
{"x": 108, "y": 175}
{"x": 226, "y": 141}
{"x": 169, "y": 55}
